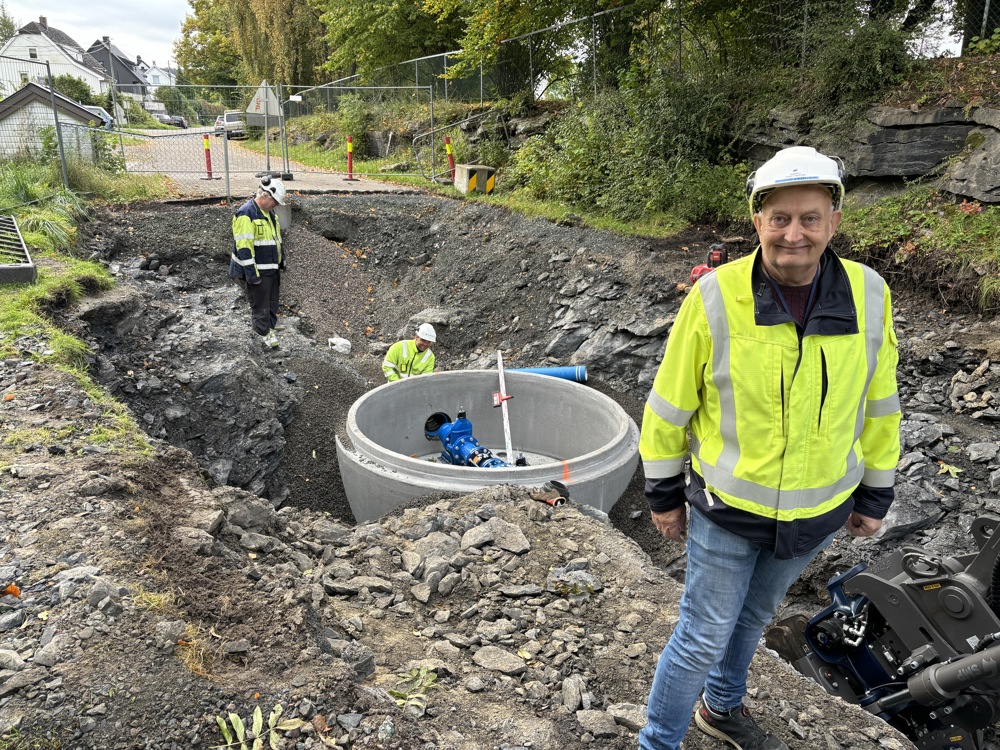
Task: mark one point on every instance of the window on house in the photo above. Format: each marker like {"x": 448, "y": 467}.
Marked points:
{"x": 156, "y": 79}
{"x": 33, "y": 53}
{"x": 24, "y": 77}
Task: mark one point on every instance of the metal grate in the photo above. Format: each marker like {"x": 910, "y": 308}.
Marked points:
{"x": 15, "y": 262}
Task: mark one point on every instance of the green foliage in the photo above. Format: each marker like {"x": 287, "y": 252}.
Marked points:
{"x": 988, "y": 46}
{"x": 851, "y": 64}
{"x": 415, "y": 685}
{"x": 921, "y": 225}
{"x": 176, "y": 102}
{"x": 354, "y": 119}
{"x": 237, "y": 735}
{"x": 8, "y": 26}
{"x": 363, "y": 36}
{"x": 75, "y": 88}
{"x": 107, "y": 154}
{"x": 603, "y": 156}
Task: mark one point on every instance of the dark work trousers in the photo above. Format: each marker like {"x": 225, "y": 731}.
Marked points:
{"x": 263, "y": 299}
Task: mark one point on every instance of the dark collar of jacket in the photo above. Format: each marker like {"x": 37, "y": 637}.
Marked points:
{"x": 833, "y": 312}
{"x": 251, "y": 209}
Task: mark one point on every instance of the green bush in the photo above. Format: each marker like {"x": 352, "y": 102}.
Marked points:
{"x": 852, "y": 65}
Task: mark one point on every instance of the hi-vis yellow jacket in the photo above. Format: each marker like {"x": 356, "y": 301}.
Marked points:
{"x": 256, "y": 244}
{"x": 404, "y": 359}
{"x": 785, "y": 421}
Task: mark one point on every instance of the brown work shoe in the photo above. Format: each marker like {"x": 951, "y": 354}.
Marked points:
{"x": 737, "y": 728}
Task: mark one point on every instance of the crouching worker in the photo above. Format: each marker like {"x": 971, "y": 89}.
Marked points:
{"x": 779, "y": 383}
{"x": 411, "y": 356}
{"x": 257, "y": 258}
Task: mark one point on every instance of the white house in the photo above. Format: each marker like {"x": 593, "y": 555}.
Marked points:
{"x": 37, "y": 41}
{"x": 157, "y": 75}
{"x": 26, "y": 118}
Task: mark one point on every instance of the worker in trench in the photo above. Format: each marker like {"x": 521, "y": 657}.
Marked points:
{"x": 779, "y": 385}
{"x": 258, "y": 257}
{"x": 411, "y": 357}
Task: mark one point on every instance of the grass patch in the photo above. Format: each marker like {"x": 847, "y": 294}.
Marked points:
{"x": 152, "y": 601}
{"x": 194, "y": 652}
{"x": 48, "y": 216}
{"x": 17, "y": 741}
{"x": 924, "y": 226}
{"x": 657, "y": 225}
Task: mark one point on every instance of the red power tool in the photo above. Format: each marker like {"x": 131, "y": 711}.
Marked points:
{"x": 717, "y": 255}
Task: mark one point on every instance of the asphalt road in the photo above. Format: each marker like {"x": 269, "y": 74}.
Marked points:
{"x": 197, "y": 161}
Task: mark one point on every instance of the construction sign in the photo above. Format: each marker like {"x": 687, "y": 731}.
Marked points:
{"x": 264, "y": 102}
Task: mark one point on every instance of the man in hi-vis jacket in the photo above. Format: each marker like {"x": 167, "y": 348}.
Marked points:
{"x": 258, "y": 259}
{"x": 411, "y": 356}
{"x": 778, "y": 383}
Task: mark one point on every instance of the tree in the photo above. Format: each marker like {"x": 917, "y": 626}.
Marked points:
{"x": 206, "y": 51}
{"x": 241, "y": 42}
{"x": 363, "y": 36}
{"x": 8, "y": 26}
{"x": 75, "y": 88}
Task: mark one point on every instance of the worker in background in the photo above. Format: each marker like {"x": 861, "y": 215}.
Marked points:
{"x": 411, "y": 356}
{"x": 779, "y": 383}
{"x": 258, "y": 259}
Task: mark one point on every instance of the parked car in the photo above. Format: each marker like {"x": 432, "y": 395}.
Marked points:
{"x": 220, "y": 125}
{"x": 177, "y": 121}
{"x": 165, "y": 119}
{"x": 103, "y": 118}
{"x": 234, "y": 123}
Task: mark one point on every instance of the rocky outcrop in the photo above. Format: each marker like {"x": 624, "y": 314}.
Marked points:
{"x": 958, "y": 145}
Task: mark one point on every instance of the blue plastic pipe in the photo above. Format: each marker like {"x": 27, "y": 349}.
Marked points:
{"x": 578, "y": 373}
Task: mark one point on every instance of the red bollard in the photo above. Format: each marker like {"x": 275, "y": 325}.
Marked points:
{"x": 208, "y": 158}
{"x": 451, "y": 156}
{"x": 350, "y": 159}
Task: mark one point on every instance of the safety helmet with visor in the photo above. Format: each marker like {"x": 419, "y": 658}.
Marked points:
{"x": 797, "y": 165}
{"x": 426, "y": 332}
{"x": 275, "y": 188}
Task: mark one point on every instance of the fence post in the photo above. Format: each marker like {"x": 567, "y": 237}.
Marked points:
{"x": 593, "y": 49}
{"x": 430, "y": 89}
{"x": 55, "y": 116}
{"x": 225, "y": 160}
{"x": 531, "y": 71}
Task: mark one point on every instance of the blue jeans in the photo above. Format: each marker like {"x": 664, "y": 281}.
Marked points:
{"x": 732, "y": 590}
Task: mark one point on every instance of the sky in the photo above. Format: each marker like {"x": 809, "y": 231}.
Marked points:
{"x": 147, "y": 29}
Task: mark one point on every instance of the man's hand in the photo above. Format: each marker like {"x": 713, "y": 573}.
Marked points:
{"x": 672, "y": 524}
{"x": 860, "y": 525}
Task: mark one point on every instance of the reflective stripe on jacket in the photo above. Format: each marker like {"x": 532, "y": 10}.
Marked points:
{"x": 257, "y": 243}
{"x": 784, "y": 421}
{"x": 404, "y": 359}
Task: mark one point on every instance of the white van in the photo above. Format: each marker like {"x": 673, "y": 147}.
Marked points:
{"x": 235, "y": 123}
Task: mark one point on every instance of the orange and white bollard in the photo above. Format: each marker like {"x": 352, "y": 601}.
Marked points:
{"x": 451, "y": 156}
{"x": 350, "y": 159}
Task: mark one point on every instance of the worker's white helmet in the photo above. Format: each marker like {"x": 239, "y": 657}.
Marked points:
{"x": 275, "y": 188}
{"x": 798, "y": 165}
{"x": 426, "y": 332}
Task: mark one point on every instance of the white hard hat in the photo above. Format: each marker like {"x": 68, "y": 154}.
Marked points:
{"x": 798, "y": 165}
{"x": 275, "y": 188}
{"x": 426, "y": 332}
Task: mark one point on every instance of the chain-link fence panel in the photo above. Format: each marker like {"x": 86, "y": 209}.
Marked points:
{"x": 199, "y": 106}
{"x": 195, "y": 162}
{"x": 977, "y": 24}
{"x": 30, "y": 112}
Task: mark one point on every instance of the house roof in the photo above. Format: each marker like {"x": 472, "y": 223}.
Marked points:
{"x": 66, "y": 42}
{"x": 123, "y": 59}
{"x": 33, "y": 92}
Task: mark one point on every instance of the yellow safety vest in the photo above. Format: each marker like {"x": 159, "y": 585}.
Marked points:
{"x": 784, "y": 422}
